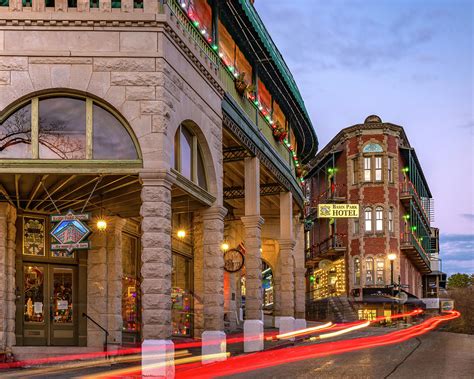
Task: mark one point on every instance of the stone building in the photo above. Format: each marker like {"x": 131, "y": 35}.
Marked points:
{"x": 175, "y": 134}
{"x": 362, "y": 263}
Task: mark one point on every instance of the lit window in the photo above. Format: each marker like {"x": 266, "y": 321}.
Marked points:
{"x": 367, "y": 169}
{"x": 368, "y": 219}
{"x": 378, "y": 169}
{"x": 380, "y": 271}
{"x": 369, "y": 270}
{"x": 354, "y": 171}
{"x": 367, "y": 314}
{"x": 357, "y": 271}
{"x": 390, "y": 169}
{"x": 379, "y": 219}
{"x": 390, "y": 220}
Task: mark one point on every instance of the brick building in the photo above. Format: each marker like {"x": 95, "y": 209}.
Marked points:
{"x": 361, "y": 264}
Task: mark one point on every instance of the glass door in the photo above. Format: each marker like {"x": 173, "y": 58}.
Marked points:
{"x": 49, "y": 309}
{"x": 63, "y": 311}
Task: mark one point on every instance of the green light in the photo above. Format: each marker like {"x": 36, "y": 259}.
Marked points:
{"x": 214, "y": 47}
{"x": 196, "y": 23}
{"x": 413, "y": 228}
{"x": 231, "y": 69}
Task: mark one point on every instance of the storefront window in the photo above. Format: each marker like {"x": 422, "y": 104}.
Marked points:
{"x": 181, "y": 298}
{"x": 34, "y": 236}
{"x": 130, "y": 284}
{"x": 267, "y": 285}
{"x": 34, "y": 293}
{"x": 367, "y": 314}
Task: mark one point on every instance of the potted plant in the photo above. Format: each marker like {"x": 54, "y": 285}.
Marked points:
{"x": 240, "y": 84}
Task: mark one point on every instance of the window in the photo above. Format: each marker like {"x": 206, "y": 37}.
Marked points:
{"x": 379, "y": 219}
{"x": 368, "y": 219}
{"x": 356, "y": 226}
{"x": 188, "y": 158}
{"x": 357, "y": 271}
{"x": 367, "y": 169}
{"x": 390, "y": 220}
{"x": 390, "y": 169}
{"x": 369, "y": 270}
{"x": 380, "y": 271}
{"x": 354, "y": 171}
{"x": 65, "y": 127}
{"x": 367, "y": 314}
{"x": 378, "y": 169}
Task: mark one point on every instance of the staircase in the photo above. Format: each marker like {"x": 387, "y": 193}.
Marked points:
{"x": 342, "y": 310}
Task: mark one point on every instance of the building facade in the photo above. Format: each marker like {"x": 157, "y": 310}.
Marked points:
{"x": 371, "y": 261}
{"x": 145, "y": 146}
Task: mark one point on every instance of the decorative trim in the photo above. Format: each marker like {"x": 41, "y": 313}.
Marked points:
{"x": 193, "y": 189}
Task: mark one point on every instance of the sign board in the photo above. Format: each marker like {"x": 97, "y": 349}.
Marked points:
{"x": 338, "y": 210}
{"x": 431, "y": 303}
{"x": 446, "y": 305}
{"x": 70, "y": 232}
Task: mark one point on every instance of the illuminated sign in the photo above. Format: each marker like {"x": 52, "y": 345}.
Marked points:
{"x": 70, "y": 232}
{"x": 338, "y": 210}
{"x": 447, "y": 305}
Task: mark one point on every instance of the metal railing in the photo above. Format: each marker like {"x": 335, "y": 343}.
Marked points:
{"x": 106, "y": 333}
{"x": 408, "y": 189}
{"x": 335, "y": 192}
{"x": 335, "y": 241}
{"x": 408, "y": 239}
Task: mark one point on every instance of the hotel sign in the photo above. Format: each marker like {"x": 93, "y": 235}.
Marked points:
{"x": 338, "y": 210}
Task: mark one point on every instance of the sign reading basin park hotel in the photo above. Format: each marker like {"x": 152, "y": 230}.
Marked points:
{"x": 338, "y": 210}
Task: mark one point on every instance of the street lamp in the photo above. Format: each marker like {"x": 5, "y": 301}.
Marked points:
{"x": 391, "y": 258}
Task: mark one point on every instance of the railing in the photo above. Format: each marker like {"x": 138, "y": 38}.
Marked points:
{"x": 408, "y": 189}
{"x": 408, "y": 239}
{"x": 335, "y": 192}
{"x": 195, "y": 34}
{"x": 336, "y": 241}
{"x": 106, "y": 333}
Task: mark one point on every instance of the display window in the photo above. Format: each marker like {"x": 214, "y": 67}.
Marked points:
{"x": 130, "y": 284}
{"x": 181, "y": 297}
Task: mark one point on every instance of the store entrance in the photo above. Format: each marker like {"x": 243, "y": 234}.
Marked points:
{"x": 49, "y": 304}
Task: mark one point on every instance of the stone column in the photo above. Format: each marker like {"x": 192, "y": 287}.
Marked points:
{"x": 198, "y": 291}
{"x": 300, "y": 271}
{"x": 114, "y": 279}
{"x": 97, "y": 288}
{"x": 286, "y": 262}
{"x": 156, "y": 255}
{"x": 213, "y": 267}
{"x": 253, "y": 222}
{"x": 7, "y": 276}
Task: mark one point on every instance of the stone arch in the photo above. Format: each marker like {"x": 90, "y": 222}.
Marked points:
{"x": 22, "y": 101}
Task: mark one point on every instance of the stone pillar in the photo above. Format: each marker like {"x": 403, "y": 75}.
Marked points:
{"x": 198, "y": 277}
{"x": 156, "y": 255}
{"x": 7, "y": 276}
{"x": 300, "y": 271}
{"x": 253, "y": 222}
{"x": 253, "y": 267}
{"x": 97, "y": 288}
{"x": 213, "y": 268}
{"x": 114, "y": 279}
{"x": 286, "y": 262}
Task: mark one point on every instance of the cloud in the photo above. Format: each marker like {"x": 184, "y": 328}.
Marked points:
{"x": 457, "y": 252}
{"x": 469, "y": 216}
{"x": 467, "y": 125}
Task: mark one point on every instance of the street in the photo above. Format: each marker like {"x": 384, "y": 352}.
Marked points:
{"x": 433, "y": 355}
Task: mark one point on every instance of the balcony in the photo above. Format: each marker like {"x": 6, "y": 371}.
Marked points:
{"x": 335, "y": 194}
{"x": 329, "y": 248}
{"x": 410, "y": 245}
{"x": 407, "y": 193}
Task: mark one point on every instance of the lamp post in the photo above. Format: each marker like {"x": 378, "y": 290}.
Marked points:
{"x": 391, "y": 258}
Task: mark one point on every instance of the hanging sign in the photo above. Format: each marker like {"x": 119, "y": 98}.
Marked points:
{"x": 70, "y": 232}
{"x": 338, "y": 210}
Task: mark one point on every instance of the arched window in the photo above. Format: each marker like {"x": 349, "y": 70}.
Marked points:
{"x": 372, "y": 148}
{"x": 65, "y": 127}
{"x": 379, "y": 219}
{"x": 357, "y": 271}
{"x": 380, "y": 272}
{"x": 188, "y": 157}
{"x": 369, "y": 270}
{"x": 368, "y": 219}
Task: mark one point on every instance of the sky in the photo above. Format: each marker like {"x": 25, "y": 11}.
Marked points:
{"x": 411, "y": 63}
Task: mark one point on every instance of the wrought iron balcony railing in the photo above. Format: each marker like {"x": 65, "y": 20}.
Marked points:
{"x": 410, "y": 242}
{"x": 329, "y": 246}
{"x": 408, "y": 190}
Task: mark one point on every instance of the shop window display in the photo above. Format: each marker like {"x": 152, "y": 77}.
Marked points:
{"x": 130, "y": 285}
{"x": 181, "y": 298}
{"x": 34, "y": 293}
{"x": 62, "y": 296}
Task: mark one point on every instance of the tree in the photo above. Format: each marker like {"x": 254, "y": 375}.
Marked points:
{"x": 460, "y": 281}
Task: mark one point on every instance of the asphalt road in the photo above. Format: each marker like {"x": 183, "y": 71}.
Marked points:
{"x": 433, "y": 355}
